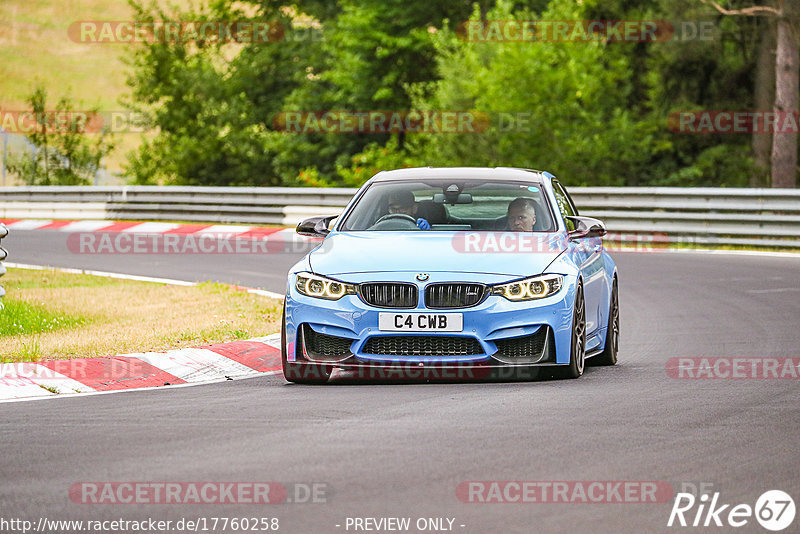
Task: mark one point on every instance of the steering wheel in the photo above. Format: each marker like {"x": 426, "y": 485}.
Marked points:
{"x": 397, "y": 217}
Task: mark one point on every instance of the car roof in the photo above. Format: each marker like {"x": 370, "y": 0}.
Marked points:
{"x": 468, "y": 173}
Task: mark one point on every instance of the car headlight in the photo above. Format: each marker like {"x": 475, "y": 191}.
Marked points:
{"x": 313, "y": 285}
{"x": 536, "y": 287}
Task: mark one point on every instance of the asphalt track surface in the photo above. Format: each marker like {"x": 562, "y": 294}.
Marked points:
{"x": 400, "y": 450}
{"x": 265, "y": 271}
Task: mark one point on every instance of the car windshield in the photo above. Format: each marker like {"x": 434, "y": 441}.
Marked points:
{"x": 451, "y": 205}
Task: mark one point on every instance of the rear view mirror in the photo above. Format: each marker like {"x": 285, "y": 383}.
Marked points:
{"x": 586, "y": 227}
{"x": 315, "y": 226}
{"x": 462, "y": 198}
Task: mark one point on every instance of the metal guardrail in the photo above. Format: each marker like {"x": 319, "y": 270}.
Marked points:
{"x": 757, "y": 217}
{"x": 251, "y": 205}
{"x": 699, "y": 216}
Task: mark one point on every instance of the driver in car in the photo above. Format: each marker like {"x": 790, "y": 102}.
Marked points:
{"x": 521, "y": 215}
{"x": 403, "y": 202}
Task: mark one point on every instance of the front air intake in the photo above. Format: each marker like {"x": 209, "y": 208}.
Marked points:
{"x": 436, "y": 346}
{"x": 325, "y": 345}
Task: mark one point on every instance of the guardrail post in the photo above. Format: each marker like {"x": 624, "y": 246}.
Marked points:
{"x": 3, "y": 254}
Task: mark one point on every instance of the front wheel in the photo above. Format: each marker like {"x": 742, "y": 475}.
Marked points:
{"x": 578, "y": 347}
{"x": 301, "y": 373}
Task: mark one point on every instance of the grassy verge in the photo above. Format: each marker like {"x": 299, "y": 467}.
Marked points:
{"x": 50, "y": 315}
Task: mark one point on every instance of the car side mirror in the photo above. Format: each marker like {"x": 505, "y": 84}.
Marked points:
{"x": 315, "y": 226}
{"x": 586, "y": 227}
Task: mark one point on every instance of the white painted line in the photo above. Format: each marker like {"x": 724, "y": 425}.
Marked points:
{"x": 167, "y": 281}
{"x": 120, "y": 276}
{"x": 28, "y": 224}
{"x": 265, "y": 293}
{"x": 776, "y": 290}
{"x": 49, "y": 395}
{"x": 151, "y": 228}
{"x": 194, "y": 365}
{"x": 86, "y": 226}
{"x": 225, "y": 230}
{"x": 155, "y": 280}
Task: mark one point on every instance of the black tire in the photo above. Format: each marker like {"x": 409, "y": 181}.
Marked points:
{"x": 611, "y": 350}
{"x": 577, "y": 353}
{"x": 301, "y": 373}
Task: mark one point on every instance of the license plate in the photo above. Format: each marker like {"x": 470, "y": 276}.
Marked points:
{"x": 420, "y": 322}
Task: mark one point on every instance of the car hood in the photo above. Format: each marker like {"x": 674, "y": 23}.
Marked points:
{"x": 515, "y": 254}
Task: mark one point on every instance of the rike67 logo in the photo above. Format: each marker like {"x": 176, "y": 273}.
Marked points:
{"x": 774, "y": 510}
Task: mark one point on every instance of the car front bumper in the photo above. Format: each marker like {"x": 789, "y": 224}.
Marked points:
{"x": 503, "y": 331}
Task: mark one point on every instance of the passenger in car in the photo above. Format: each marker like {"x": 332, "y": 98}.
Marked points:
{"x": 521, "y": 215}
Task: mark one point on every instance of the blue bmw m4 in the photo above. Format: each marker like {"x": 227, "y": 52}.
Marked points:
{"x": 452, "y": 273}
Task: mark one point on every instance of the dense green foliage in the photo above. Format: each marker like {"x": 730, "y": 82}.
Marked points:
{"x": 593, "y": 113}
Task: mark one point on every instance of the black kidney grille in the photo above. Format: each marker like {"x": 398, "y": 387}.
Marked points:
{"x": 454, "y": 295}
{"x": 423, "y": 346}
{"x": 325, "y": 345}
{"x": 389, "y": 294}
{"x": 524, "y": 346}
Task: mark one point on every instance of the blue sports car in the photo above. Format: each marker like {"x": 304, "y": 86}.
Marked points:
{"x": 452, "y": 273}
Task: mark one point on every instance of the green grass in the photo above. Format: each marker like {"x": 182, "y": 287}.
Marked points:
{"x": 29, "y": 350}
{"x": 21, "y": 318}
{"x": 62, "y": 315}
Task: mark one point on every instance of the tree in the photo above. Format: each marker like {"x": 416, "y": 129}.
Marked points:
{"x": 64, "y": 151}
{"x": 214, "y": 105}
{"x": 594, "y": 112}
{"x": 787, "y": 74}
{"x": 559, "y": 106}
{"x": 784, "y": 144}
{"x": 209, "y": 101}
{"x": 371, "y": 52}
